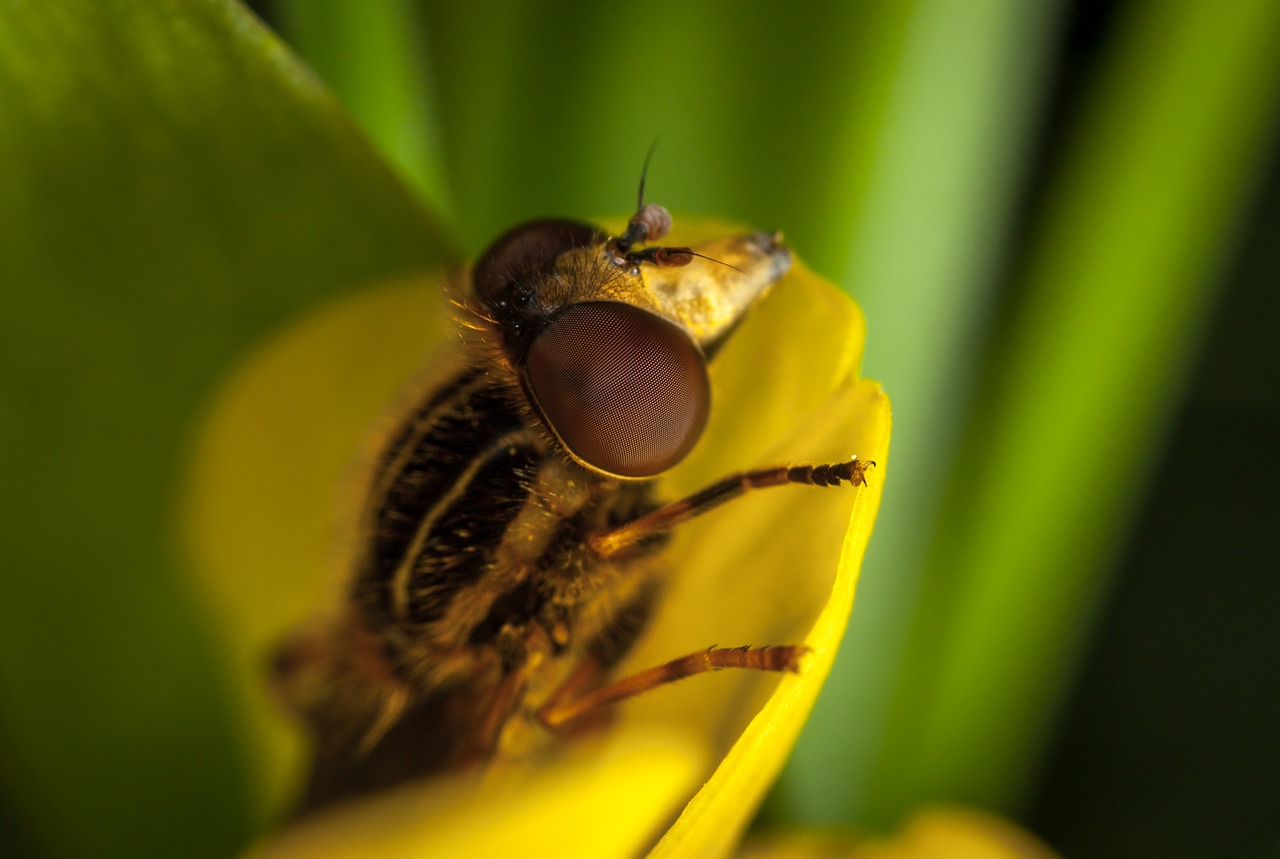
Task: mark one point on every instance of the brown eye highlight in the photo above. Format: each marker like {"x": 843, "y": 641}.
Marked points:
{"x": 625, "y": 390}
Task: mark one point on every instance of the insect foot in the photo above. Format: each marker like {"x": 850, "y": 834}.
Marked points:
{"x": 853, "y": 472}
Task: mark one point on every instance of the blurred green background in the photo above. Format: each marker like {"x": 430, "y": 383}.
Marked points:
{"x": 1062, "y": 221}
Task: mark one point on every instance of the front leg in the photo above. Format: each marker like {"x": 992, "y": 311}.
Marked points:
{"x": 666, "y": 517}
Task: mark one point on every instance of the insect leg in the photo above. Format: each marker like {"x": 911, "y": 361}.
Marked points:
{"x": 668, "y": 516}
{"x": 516, "y": 675}
{"x": 563, "y": 707}
{"x": 499, "y": 709}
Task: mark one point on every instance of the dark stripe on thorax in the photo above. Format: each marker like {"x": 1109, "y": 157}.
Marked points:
{"x": 460, "y": 422}
{"x": 393, "y": 459}
{"x": 460, "y": 545}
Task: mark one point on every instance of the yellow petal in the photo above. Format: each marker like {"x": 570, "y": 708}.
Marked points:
{"x": 942, "y": 832}
{"x": 776, "y": 567}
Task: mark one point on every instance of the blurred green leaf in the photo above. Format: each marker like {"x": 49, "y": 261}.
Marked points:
{"x": 374, "y": 58}
{"x": 1123, "y": 271}
{"x": 549, "y": 108}
{"x": 174, "y": 185}
{"x": 941, "y": 175}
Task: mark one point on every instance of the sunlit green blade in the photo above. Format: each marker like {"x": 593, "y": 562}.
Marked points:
{"x": 173, "y": 186}
{"x": 1123, "y": 271}
{"x": 943, "y": 173}
{"x": 374, "y": 58}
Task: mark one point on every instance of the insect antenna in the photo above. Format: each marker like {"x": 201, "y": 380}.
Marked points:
{"x": 644, "y": 172}
{"x": 650, "y": 223}
{"x": 666, "y": 257}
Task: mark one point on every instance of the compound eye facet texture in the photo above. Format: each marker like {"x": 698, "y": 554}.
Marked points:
{"x": 524, "y": 250}
{"x": 625, "y": 390}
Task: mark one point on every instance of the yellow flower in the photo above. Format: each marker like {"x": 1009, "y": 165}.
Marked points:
{"x": 940, "y": 832}
{"x": 682, "y": 769}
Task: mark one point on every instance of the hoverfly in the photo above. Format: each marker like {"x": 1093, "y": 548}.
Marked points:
{"x": 509, "y": 550}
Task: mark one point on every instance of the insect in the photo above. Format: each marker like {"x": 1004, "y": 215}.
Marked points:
{"x": 509, "y": 552}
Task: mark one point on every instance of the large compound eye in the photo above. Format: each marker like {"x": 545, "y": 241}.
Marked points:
{"x": 625, "y": 390}
{"x": 526, "y": 249}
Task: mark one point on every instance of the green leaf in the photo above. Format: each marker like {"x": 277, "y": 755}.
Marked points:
{"x": 375, "y": 59}
{"x": 1123, "y": 270}
{"x": 766, "y": 118}
{"x": 937, "y": 185}
{"x": 174, "y": 185}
